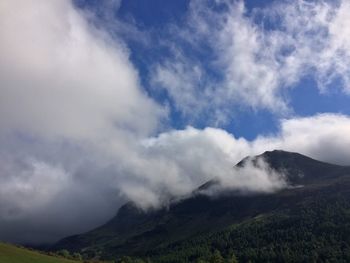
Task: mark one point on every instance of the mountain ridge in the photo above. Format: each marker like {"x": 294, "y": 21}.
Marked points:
{"x": 136, "y": 232}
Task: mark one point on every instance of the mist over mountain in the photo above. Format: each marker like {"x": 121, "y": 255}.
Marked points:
{"x": 212, "y": 208}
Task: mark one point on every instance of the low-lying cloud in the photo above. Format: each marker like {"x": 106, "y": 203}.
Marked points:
{"x": 251, "y": 176}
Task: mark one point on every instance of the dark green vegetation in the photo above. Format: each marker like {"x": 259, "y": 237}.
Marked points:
{"x": 308, "y": 222}
{"x": 14, "y": 254}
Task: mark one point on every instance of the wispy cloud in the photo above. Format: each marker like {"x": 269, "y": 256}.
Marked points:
{"x": 256, "y": 56}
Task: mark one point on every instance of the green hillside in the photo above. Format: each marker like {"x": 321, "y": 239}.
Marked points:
{"x": 13, "y": 254}
{"x": 316, "y": 230}
{"x": 306, "y": 222}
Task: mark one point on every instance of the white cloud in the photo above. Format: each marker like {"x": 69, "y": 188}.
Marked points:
{"x": 260, "y": 55}
{"x": 71, "y": 107}
{"x": 252, "y": 177}
{"x": 335, "y": 59}
{"x": 178, "y": 78}
{"x": 193, "y": 156}
{"x": 56, "y": 66}
{"x": 250, "y": 74}
{"x": 324, "y": 137}
{"x": 179, "y": 161}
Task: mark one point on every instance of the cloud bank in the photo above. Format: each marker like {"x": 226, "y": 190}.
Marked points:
{"x": 71, "y": 105}
{"x": 79, "y": 136}
{"x": 197, "y": 155}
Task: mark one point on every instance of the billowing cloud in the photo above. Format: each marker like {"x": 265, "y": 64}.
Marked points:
{"x": 176, "y": 162}
{"x": 71, "y": 105}
{"x": 56, "y": 66}
{"x": 197, "y": 156}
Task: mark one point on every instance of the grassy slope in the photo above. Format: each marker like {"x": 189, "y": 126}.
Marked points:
{"x": 13, "y": 254}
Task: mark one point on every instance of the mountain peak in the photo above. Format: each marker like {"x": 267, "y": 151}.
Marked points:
{"x": 270, "y": 155}
{"x": 274, "y": 156}
{"x": 298, "y": 168}
{"x": 278, "y": 152}
{"x": 281, "y": 153}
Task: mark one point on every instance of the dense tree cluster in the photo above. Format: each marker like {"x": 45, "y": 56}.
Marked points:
{"x": 311, "y": 232}
{"x": 314, "y": 230}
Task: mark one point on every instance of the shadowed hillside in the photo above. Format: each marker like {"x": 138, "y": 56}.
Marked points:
{"x": 304, "y": 222}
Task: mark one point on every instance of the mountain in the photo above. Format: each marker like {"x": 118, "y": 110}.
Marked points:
{"x": 299, "y": 168}
{"x": 308, "y": 221}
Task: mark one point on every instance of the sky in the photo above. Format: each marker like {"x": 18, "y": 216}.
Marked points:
{"x": 104, "y": 102}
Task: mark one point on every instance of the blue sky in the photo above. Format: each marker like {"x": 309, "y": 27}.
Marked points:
{"x": 161, "y": 23}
